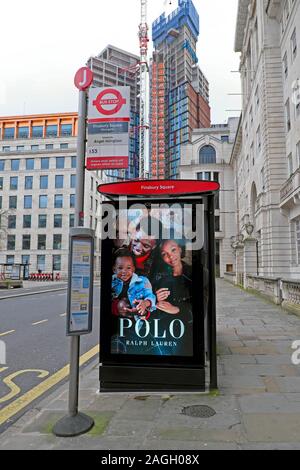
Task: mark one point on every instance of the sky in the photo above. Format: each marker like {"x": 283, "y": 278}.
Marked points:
{"x": 44, "y": 44}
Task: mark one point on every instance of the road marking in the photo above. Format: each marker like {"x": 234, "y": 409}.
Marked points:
{"x": 14, "y": 389}
{"x": 2, "y": 369}
{"x": 20, "y": 403}
{"x": 39, "y": 322}
{"x": 63, "y": 315}
{"x": 7, "y": 333}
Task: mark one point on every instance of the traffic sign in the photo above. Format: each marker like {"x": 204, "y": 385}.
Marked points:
{"x": 83, "y": 78}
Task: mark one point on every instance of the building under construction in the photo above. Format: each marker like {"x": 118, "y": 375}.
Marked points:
{"x": 179, "y": 91}
{"x": 115, "y": 67}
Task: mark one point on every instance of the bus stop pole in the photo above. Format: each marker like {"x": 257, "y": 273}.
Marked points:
{"x": 77, "y": 423}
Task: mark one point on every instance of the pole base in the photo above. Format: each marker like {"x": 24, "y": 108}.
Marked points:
{"x": 71, "y": 426}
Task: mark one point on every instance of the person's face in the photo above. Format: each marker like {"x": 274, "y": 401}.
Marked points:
{"x": 141, "y": 244}
{"x": 171, "y": 253}
{"x": 124, "y": 268}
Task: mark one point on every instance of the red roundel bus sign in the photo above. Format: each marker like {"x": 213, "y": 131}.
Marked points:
{"x": 107, "y": 105}
{"x": 83, "y": 78}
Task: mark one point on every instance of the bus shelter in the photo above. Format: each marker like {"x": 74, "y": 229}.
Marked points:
{"x": 158, "y": 307}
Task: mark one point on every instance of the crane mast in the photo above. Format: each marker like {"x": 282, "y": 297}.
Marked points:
{"x": 144, "y": 69}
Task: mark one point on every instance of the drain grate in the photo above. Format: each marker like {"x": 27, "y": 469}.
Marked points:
{"x": 199, "y": 411}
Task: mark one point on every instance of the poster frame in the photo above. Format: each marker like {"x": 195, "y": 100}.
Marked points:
{"x": 80, "y": 234}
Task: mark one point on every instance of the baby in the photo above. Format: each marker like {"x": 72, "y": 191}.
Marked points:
{"x": 132, "y": 294}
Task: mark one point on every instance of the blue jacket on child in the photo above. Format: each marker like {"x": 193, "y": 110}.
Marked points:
{"x": 139, "y": 289}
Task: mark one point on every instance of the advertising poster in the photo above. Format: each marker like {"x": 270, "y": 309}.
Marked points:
{"x": 108, "y": 128}
{"x": 80, "y": 286}
{"x": 151, "y": 287}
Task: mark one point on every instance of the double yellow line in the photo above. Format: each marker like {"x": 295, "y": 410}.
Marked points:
{"x": 20, "y": 403}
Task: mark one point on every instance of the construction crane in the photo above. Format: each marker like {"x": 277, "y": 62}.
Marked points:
{"x": 144, "y": 70}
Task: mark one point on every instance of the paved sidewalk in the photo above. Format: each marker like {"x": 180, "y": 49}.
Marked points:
{"x": 258, "y": 406}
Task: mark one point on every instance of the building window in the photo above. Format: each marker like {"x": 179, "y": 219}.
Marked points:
{"x": 45, "y": 163}
{"x": 37, "y": 131}
{"x": 10, "y": 259}
{"x": 217, "y": 224}
{"x": 56, "y": 265}
{"x": 41, "y": 263}
{"x": 66, "y": 130}
{"x": 298, "y": 153}
{"x": 43, "y": 202}
{"x": 29, "y": 164}
{"x": 57, "y": 242}
{"x": 5, "y": 149}
{"x": 12, "y": 220}
{"x": 51, "y": 131}
{"x": 20, "y": 148}
{"x": 73, "y": 162}
{"x": 11, "y": 242}
{"x": 58, "y": 201}
{"x": 12, "y": 202}
{"x": 26, "y": 242}
{"x": 294, "y": 45}
{"x": 9, "y": 133}
{"x": 15, "y": 165}
{"x": 57, "y": 221}
{"x": 0, "y": 205}
{"x": 59, "y": 182}
{"x": 23, "y": 132}
{"x": 27, "y": 202}
{"x": 26, "y": 221}
{"x": 28, "y": 182}
{"x": 1, "y": 183}
{"x": 72, "y": 220}
{"x": 207, "y": 155}
{"x": 14, "y": 183}
{"x": 225, "y": 138}
{"x": 73, "y": 181}
{"x": 2, "y": 165}
{"x": 60, "y": 163}
{"x": 25, "y": 259}
{"x": 72, "y": 201}
{"x": 290, "y": 164}
{"x": 258, "y": 140}
{"x": 42, "y": 240}
{"x": 285, "y": 65}
{"x": 43, "y": 182}
{"x": 42, "y": 221}
{"x": 49, "y": 146}
{"x": 257, "y": 97}
{"x": 64, "y": 146}
{"x": 35, "y": 148}
{"x": 205, "y": 176}
{"x": 288, "y": 115}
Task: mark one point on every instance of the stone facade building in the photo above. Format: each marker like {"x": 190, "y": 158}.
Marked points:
{"x": 264, "y": 157}
{"x": 208, "y": 158}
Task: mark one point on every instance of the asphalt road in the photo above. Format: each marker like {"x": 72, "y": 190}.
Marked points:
{"x": 34, "y": 331}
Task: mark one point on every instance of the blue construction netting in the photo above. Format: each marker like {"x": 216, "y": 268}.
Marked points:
{"x": 185, "y": 14}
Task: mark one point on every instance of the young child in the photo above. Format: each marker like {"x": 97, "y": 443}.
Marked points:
{"x": 132, "y": 294}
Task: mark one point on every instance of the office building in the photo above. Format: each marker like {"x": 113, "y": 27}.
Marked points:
{"x": 179, "y": 96}
{"x": 38, "y": 191}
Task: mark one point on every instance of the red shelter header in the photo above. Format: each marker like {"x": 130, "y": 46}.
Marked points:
{"x": 159, "y": 188}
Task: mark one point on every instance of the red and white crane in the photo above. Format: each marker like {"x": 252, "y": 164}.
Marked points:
{"x": 144, "y": 70}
